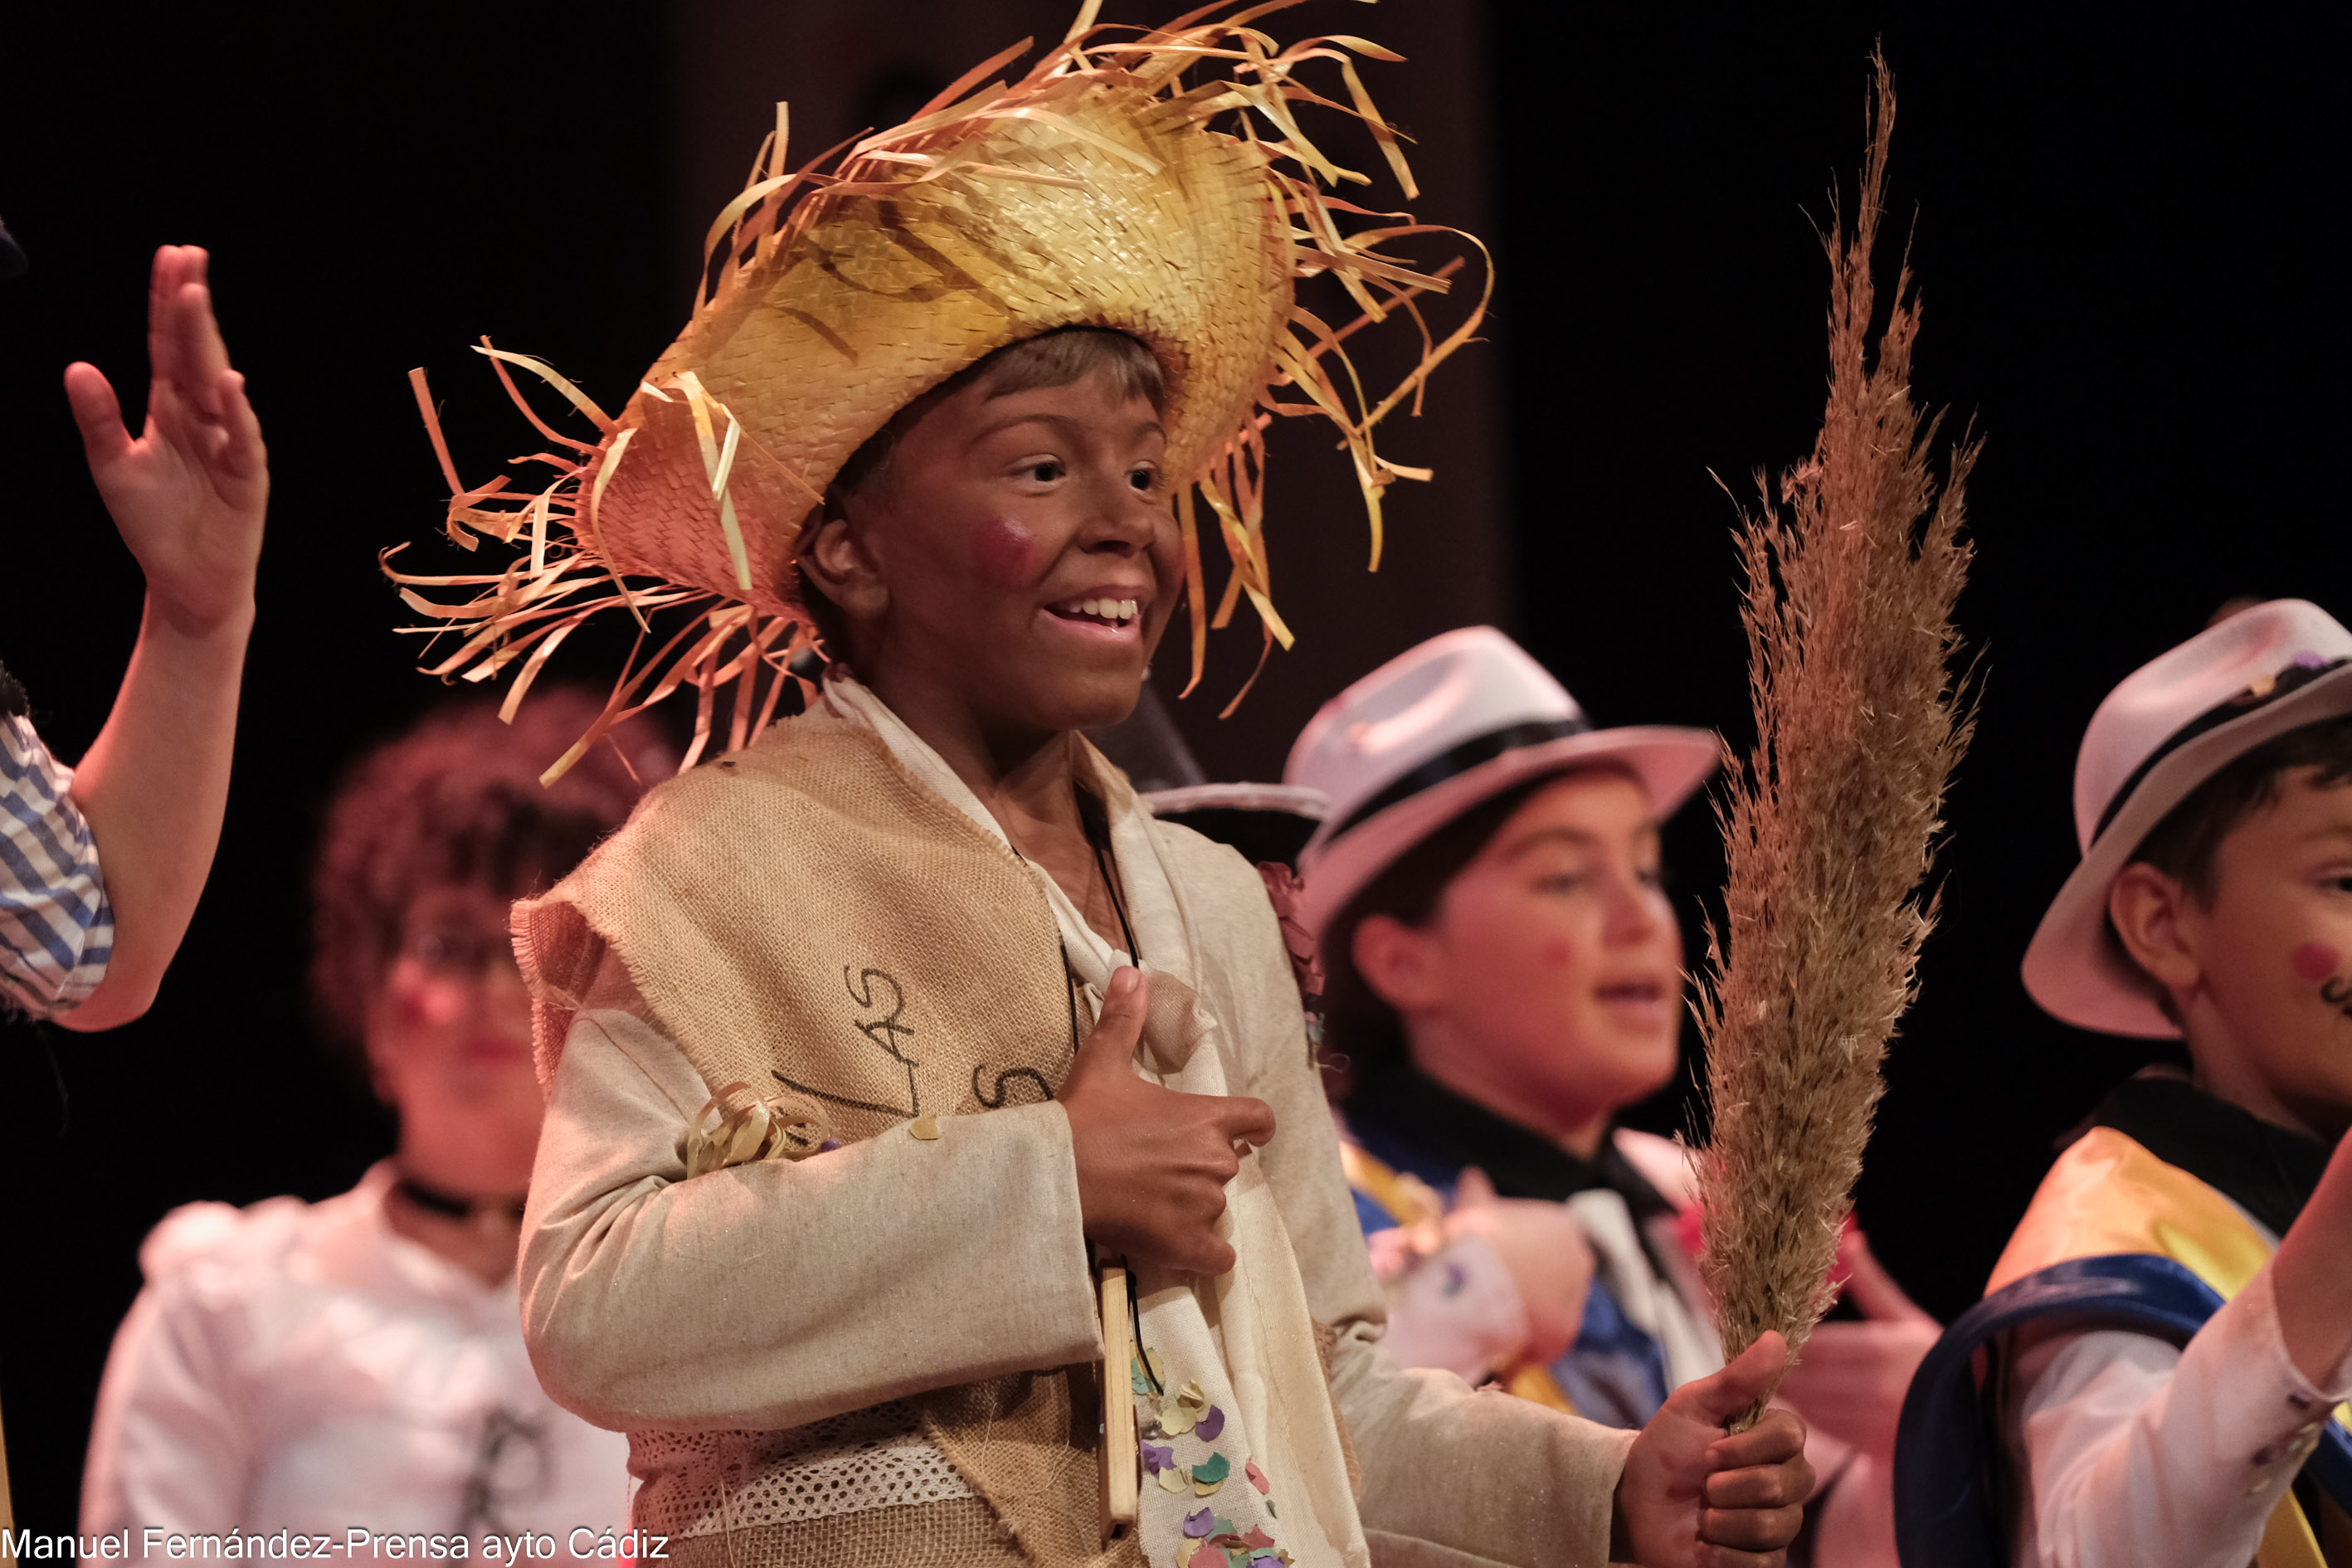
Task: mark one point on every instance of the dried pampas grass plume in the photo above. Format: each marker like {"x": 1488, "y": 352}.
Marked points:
{"x": 1830, "y": 826}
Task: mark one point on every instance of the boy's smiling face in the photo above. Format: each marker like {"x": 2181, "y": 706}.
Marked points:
{"x": 2261, "y": 976}
{"x": 1017, "y": 561}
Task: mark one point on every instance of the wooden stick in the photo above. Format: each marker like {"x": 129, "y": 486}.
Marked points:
{"x": 1123, "y": 1462}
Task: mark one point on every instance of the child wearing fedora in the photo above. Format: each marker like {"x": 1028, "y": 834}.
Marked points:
{"x": 2150, "y": 1378}
{"x": 864, "y": 1041}
{"x": 1502, "y": 975}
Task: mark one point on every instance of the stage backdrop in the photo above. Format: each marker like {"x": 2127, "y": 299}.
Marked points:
{"x": 2125, "y": 230}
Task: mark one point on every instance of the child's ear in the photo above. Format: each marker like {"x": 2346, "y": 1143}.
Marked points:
{"x": 836, "y": 556}
{"x": 1397, "y": 962}
{"x": 2145, "y": 907}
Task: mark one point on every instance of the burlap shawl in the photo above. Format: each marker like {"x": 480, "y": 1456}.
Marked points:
{"x": 805, "y": 919}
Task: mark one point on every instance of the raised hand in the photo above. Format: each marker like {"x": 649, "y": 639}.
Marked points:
{"x": 1694, "y": 1496}
{"x": 188, "y": 495}
{"x": 190, "y": 492}
{"x": 1153, "y": 1164}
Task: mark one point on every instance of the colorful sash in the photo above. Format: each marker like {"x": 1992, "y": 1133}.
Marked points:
{"x": 2115, "y": 1238}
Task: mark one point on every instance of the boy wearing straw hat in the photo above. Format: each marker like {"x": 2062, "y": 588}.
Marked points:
{"x": 862, "y": 1039}
{"x": 2169, "y": 1330}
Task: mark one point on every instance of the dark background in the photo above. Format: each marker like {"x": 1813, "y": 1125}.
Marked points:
{"x": 2126, "y": 226}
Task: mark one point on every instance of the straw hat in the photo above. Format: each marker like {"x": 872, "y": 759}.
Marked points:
{"x": 1441, "y": 727}
{"x": 1117, "y": 185}
{"x": 2172, "y": 725}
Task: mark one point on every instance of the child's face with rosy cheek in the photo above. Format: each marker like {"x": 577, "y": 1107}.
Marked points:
{"x": 1027, "y": 555}
{"x": 448, "y": 1034}
{"x": 2275, "y": 951}
{"x": 1555, "y": 959}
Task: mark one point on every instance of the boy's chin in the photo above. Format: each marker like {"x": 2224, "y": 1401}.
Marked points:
{"x": 1072, "y": 701}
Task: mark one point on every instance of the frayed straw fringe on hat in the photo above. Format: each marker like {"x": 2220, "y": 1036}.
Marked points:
{"x": 1099, "y": 189}
{"x": 1830, "y": 827}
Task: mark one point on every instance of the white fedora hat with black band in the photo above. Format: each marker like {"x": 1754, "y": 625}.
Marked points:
{"x": 2172, "y": 725}
{"x": 1441, "y": 727}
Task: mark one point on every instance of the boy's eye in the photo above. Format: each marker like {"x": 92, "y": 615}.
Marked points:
{"x": 1045, "y": 471}
{"x": 1560, "y": 882}
{"x": 1143, "y": 479}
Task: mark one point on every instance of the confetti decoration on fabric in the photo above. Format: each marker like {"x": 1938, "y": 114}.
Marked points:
{"x": 1207, "y": 1427}
{"x": 1257, "y": 1477}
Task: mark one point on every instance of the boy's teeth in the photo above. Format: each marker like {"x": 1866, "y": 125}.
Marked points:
{"x": 1113, "y": 610}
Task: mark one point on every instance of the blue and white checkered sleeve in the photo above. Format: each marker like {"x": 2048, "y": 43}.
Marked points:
{"x": 57, "y": 928}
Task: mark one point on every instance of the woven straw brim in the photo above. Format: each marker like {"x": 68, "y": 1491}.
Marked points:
{"x": 818, "y": 344}
{"x": 1093, "y": 191}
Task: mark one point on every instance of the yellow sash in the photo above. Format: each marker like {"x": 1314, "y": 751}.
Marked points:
{"x": 2107, "y": 1194}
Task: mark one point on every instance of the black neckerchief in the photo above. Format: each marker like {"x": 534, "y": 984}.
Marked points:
{"x": 1399, "y": 1104}
{"x": 2265, "y": 1170}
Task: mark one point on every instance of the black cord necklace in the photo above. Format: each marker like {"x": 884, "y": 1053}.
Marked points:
{"x": 1096, "y": 829}
{"x": 448, "y": 1205}
{"x": 1096, "y": 826}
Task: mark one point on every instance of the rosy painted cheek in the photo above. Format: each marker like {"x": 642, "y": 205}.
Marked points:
{"x": 2316, "y": 960}
{"x": 1003, "y": 553}
{"x": 1557, "y": 953}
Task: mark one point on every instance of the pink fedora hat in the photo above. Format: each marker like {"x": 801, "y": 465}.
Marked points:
{"x": 2172, "y": 725}
{"x": 1441, "y": 727}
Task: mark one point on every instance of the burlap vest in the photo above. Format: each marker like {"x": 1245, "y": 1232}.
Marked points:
{"x": 805, "y": 919}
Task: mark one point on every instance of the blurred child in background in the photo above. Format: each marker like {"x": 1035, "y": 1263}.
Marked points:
{"x": 360, "y": 1362}
{"x": 1502, "y": 976}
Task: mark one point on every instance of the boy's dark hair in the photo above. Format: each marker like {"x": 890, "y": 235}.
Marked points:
{"x": 2182, "y": 845}
{"x": 456, "y": 798}
{"x": 1057, "y": 358}
{"x": 1358, "y": 1025}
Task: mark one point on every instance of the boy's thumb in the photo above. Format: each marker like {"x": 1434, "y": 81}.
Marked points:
{"x": 1751, "y": 1376}
{"x": 1119, "y": 1025}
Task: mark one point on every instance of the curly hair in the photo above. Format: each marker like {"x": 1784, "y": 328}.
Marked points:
{"x": 456, "y": 799}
